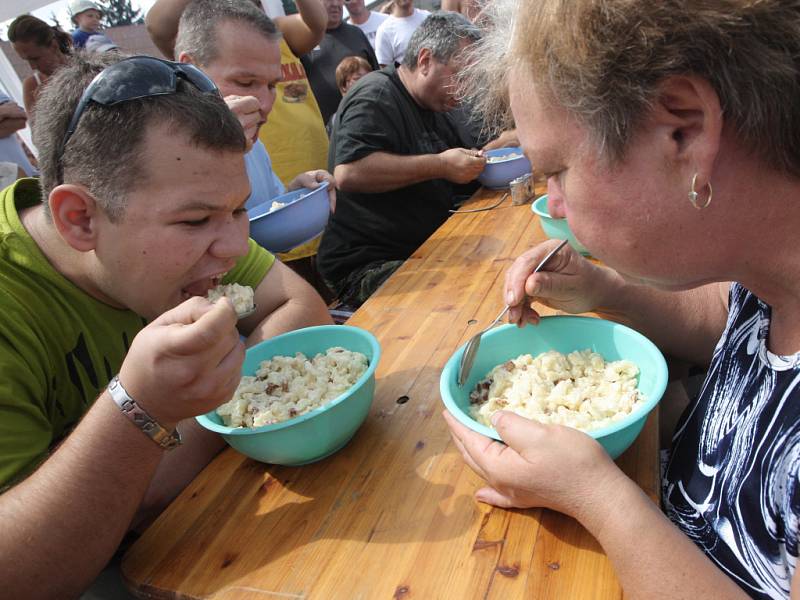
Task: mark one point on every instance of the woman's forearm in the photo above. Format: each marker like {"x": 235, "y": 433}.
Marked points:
{"x": 652, "y": 557}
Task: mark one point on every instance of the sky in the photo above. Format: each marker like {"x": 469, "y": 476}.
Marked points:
{"x": 59, "y": 8}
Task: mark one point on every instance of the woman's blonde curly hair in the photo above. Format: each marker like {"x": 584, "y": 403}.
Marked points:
{"x": 603, "y": 61}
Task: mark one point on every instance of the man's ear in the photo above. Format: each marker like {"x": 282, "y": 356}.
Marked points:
{"x": 75, "y": 215}
{"x": 687, "y": 110}
{"x": 424, "y": 59}
{"x": 185, "y": 57}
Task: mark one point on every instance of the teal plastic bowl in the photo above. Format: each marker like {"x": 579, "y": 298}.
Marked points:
{"x": 321, "y": 432}
{"x": 564, "y": 334}
{"x": 556, "y": 229}
{"x": 498, "y": 175}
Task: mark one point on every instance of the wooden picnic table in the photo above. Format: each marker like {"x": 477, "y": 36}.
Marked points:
{"x": 391, "y": 515}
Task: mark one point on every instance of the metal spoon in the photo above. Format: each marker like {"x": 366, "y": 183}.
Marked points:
{"x": 474, "y": 210}
{"x": 471, "y": 350}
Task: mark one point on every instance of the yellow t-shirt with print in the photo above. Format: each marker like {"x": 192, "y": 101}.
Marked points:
{"x": 294, "y": 133}
{"x": 59, "y": 347}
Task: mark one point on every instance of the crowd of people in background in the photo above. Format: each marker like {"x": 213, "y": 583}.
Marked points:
{"x": 321, "y": 56}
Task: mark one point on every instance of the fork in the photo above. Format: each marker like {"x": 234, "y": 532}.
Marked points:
{"x": 471, "y": 349}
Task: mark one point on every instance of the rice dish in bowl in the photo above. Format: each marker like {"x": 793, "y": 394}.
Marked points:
{"x": 285, "y": 387}
{"x": 503, "y": 165}
{"x": 294, "y": 218}
{"x": 579, "y": 389}
{"x": 320, "y": 430}
{"x": 565, "y": 335}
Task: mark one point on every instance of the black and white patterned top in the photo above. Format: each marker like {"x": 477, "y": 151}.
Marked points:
{"x": 731, "y": 483}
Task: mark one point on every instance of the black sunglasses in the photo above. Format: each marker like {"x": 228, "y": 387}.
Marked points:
{"x": 134, "y": 78}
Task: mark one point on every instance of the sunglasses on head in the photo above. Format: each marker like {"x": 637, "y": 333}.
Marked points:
{"x": 134, "y": 78}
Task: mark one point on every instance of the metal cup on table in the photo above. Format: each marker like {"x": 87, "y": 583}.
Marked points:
{"x": 521, "y": 189}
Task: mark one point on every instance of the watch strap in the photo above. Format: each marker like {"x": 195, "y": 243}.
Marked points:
{"x": 149, "y": 426}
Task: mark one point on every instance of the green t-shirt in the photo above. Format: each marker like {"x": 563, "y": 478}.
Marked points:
{"x": 59, "y": 347}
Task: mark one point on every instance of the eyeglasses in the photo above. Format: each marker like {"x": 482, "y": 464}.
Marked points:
{"x": 134, "y": 78}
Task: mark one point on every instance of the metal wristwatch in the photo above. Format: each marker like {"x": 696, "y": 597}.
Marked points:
{"x": 140, "y": 418}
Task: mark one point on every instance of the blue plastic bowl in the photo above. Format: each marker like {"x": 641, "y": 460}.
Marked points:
{"x": 556, "y": 229}
{"x": 564, "y": 334}
{"x": 321, "y": 432}
{"x": 301, "y": 220}
{"x": 498, "y": 175}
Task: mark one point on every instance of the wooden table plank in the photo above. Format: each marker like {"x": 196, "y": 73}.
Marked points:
{"x": 391, "y": 515}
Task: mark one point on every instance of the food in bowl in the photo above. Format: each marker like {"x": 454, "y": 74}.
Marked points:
{"x": 285, "y": 387}
{"x": 320, "y": 432}
{"x": 294, "y": 218}
{"x": 566, "y": 334}
{"x": 505, "y": 157}
{"x": 241, "y": 296}
{"x": 503, "y": 165}
{"x": 579, "y": 389}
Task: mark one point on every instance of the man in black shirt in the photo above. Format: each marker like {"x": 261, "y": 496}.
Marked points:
{"x": 341, "y": 40}
{"x": 397, "y": 157}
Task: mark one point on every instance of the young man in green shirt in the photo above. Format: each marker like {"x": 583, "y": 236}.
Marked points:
{"x": 104, "y": 266}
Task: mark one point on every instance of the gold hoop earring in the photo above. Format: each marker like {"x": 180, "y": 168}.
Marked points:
{"x": 693, "y": 195}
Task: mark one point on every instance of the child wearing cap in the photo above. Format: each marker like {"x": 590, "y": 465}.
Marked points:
{"x": 86, "y": 16}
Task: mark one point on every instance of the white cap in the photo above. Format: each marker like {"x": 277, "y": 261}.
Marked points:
{"x": 76, "y": 7}
{"x": 99, "y": 42}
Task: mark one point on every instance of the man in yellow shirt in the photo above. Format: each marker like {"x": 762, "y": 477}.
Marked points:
{"x": 293, "y": 140}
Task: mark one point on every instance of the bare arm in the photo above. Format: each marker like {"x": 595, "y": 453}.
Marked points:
{"x": 504, "y": 140}
{"x": 284, "y": 302}
{"x": 452, "y": 5}
{"x": 176, "y": 470}
{"x": 382, "y": 172}
{"x": 663, "y": 562}
{"x": 63, "y": 523}
{"x": 12, "y": 119}
{"x": 11, "y": 126}
{"x": 304, "y": 31}
{"x": 162, "y": 24}
{"x": 29, "y": 92}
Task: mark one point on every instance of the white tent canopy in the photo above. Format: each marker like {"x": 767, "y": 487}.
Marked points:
{"x": 11, "y": 8}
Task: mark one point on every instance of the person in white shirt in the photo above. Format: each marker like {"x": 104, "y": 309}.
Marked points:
{"x": 393, "y": 34}
{"x": 363, "y": 18}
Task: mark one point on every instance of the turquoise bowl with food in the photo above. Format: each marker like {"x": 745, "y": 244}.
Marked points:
{"x": 556, "y": 229}
{"x": 503, "y": 165}
{"x": 319, "y": 433}
{"x": 298, "y": 217}
{"x": 565, "y": 334}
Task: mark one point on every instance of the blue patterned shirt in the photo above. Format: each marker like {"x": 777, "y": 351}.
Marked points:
{"x": 731, "y": 483}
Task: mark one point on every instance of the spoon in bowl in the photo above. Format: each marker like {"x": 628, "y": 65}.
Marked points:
{"x": 471, "y": 350}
